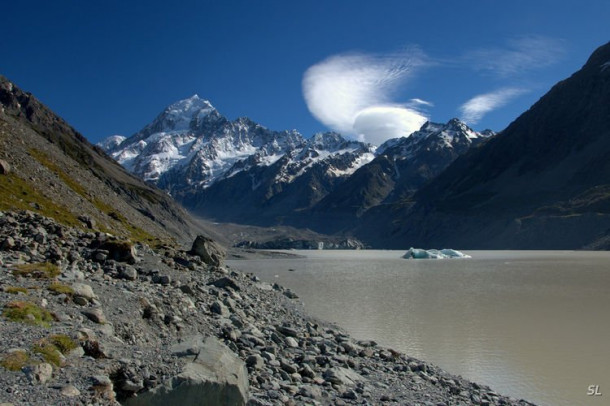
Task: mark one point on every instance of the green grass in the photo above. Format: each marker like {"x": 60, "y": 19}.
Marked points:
{"x": 63, "y": 343}
{"x": 134, "y": 233}
{"x": 14, "y": 361}
{"x": 27, "y": 312}
{"x": 50, "y": 349}
{"x": 41, "y": 270}
{"x": 53, "y": 167}
{"x": 18, "y": 194}
{"x": 49, "y": 352}
{"x": 15, "y": 290}
{"x": 59, "y": 288}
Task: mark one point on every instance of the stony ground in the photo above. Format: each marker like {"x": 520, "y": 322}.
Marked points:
{"x": 122, "y": 307}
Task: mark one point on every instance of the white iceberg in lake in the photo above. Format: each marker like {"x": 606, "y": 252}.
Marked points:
{"x": 419, "y": 253}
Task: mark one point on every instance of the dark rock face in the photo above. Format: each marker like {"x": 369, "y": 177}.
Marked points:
{"x": 209, "y": 251}
{"x": 402, "y": 167}
{"x": 541, "y": 183}
{"x": 213, "y": 376}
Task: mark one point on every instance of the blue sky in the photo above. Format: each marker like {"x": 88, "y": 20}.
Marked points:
{"x": 368, "y": 69}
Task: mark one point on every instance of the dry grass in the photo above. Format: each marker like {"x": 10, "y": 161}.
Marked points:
{"x": 27, "y": 312}
{"x": 41, "y": 270}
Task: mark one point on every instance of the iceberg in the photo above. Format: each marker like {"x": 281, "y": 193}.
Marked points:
{"x": 445, "y": 253}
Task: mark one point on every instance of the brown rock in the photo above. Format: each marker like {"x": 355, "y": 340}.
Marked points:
{"x": 4, "y": 167}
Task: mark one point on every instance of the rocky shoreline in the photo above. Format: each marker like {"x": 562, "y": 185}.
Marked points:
{"x": 88, "y": 319}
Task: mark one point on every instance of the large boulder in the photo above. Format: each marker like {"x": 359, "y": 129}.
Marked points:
{"x": 208, "y": 250}
{"x": 214, "y": 375}
{"x": 4, "y": 167}
{"x": 121, "y": 250}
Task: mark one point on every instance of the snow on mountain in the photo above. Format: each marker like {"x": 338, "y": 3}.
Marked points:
{"x": 451, "y": 135}
{"x": 111, "y": 142}
{"x": 400, "y": 168}
{"x": 190, "y": 145}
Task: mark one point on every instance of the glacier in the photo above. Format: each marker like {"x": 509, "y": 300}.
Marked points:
{"x": 445, "y": 253}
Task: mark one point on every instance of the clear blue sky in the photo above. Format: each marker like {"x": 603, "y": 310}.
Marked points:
{"x": 109, "y": 67}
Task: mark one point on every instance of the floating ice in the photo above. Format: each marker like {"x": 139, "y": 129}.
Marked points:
{"x": 446, "y": 253}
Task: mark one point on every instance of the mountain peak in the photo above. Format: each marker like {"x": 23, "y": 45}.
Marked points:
{"x": 190, "y": 105}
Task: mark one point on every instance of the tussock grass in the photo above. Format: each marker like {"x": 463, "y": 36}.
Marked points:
{"x": 27, "y": 312}
{"x": 19, "y": 194}
{"x": 15, "y": 289}
{"x": 41, "y": 270}
{"x": 58, "y": 288}
{"x": 48, "y": 351}
{"x": 63, "y": 343}
{"x": 15, "y": 360}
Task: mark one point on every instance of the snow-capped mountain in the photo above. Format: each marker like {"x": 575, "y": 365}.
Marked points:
{"x": 401, "y": 167}
{"x": 198, "y": 155}
{"x": 191, "y": 140}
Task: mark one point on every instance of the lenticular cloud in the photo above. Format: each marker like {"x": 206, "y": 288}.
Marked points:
{"x": 351, "y": 94}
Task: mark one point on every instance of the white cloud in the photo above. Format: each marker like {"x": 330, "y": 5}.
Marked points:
{"x": 352, "y": 94}
{"x": 521, "y": 54}
{"x": 379, "y": 123}
{"x": 420, "y": 102}
{"x": 474, "y": 109}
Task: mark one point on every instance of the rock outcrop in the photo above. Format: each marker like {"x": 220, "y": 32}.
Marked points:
{"x": 213, "y": 376}
{"x": 208, "y": 250}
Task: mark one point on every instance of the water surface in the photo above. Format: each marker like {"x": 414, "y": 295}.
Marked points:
{"x": 531, "y": 324}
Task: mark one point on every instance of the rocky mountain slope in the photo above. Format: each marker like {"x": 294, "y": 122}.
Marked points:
{"x": 81, "y": 325}
{"x": 543, "y": 182}
{"x": 55, "y": 171}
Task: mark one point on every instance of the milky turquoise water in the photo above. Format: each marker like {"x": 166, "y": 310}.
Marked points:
{"x": 531, "y": 324}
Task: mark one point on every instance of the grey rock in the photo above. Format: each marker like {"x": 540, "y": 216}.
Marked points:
{"x": 310, "y": 391}
{"x": 8, "y": 243}
{"x": 95, "y": 315}
{"x": 208, "y": 250}
{"x": 219, "y": 308}
{"x": 129, "y": 273}
{"x": 215, "y": 376}
{"x": 349, "y": 394}
{"x": 290, "y": 294}
{"x": 342, "y": 376}
{"x": 39, "y": 373}
{"x": 162, "y": 279}
{"x": 255, "y": 361}
{"x": 70, "y": 391}
{"x": 291, "y": 342}
{"x": 224, "y": 283}
{"x": 288, "y": 331}
{"x": 83, "y": 290}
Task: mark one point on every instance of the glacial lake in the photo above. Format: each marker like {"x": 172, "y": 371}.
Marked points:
{"x": 530, "y": 324}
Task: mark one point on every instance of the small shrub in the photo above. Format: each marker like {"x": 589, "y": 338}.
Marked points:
{"x": 14, "y": 361}
{"x": 63, "y": 343}
{"x": 15, "y": 290}
{"x": 27, "y": 312}
{"x": 59, "y": 288}
{"x": 42, "y": 270}
{"x": 49, "y": 352}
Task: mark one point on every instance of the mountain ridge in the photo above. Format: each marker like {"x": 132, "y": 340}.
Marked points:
{"x": 56, "y": 172}
{"x": 516, "y": 191}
